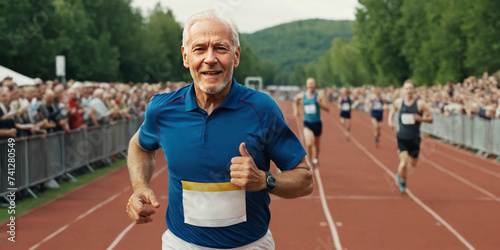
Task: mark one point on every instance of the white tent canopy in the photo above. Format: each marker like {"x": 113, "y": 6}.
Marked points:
{"x": 19, "y": 79}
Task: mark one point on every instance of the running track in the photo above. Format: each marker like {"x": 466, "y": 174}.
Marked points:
{"x": 453, "y": 202}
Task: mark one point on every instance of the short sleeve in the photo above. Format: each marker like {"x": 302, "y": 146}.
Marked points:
{"x": 283, "y": 146}
{"x": 148, "y": 132}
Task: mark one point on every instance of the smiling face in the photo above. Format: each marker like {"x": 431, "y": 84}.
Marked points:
{"x": 409, "y": 89}
{"x": 311, "y": 85}
{"x": 211, "y": 55}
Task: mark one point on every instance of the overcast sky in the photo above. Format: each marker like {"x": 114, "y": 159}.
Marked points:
{"x": 253, "y": 15}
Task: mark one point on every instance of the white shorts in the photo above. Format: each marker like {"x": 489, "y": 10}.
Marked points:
{"x": 172, "y": 242}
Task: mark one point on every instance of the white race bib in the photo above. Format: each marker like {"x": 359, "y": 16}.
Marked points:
{"x": 377, "y": 106}
{"x": 310, "y": 109}
{"x": 408, "y": 119}
{"x": 213, "y": 204}
{"x": 345, "y": 106}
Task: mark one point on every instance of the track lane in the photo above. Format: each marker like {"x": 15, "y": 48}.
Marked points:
{"x": 361, "y": 178}
{"x": 299, "y": 223}
{"x": 463, "y": 206}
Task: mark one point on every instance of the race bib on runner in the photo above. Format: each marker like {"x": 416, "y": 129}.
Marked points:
{"x": 407, "y": 119}
{"x": 345, "y": 106}
{"x": 377, "y": 106}
{"x": 213, "y": 204}
{"x": 310, "y": 109}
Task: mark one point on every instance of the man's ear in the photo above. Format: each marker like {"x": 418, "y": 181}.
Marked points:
{"x": 237, "y": 59}
{"x": 184, "y": 57}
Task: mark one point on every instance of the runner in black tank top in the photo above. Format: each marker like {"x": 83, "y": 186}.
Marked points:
{"x": 344, "y": 104}
{"x": 412, "y": 112}
{"x": 377, "y": 113}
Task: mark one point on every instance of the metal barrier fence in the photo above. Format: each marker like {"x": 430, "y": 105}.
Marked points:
{"x": 39, "y": 159}
{"x": 469, "y": 131}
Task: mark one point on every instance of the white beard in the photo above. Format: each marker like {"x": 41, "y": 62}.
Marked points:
{"x": 212, "y": 91}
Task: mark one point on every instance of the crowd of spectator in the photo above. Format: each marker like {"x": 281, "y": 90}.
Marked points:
{"x": 51, "y": 106}
{"x": 472, "y": 97}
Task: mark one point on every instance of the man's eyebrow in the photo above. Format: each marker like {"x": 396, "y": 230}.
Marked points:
{"x": 199, "y": 44}
{"x": 205, "y": 44}
{"x": 221, "y": 44}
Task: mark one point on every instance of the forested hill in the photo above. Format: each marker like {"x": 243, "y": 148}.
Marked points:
{"x": 297, "y": 42}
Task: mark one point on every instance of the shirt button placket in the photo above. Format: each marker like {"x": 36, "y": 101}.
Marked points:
{"x": 205, "y": 132}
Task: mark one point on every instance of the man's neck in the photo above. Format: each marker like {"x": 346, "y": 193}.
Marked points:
{"x": 209, "y": 102}
{"x": 409, "y": 99}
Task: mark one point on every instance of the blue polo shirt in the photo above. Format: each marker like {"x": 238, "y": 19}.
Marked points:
{"x": 199, "y": 147}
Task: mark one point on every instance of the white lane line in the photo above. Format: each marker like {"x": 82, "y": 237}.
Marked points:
{"x": 97, "y": 207}
{"x": 326, "y": 209}
{"x": 346, "y": 197}
{"x": 413, "y": 197}
{"x": 459, "y": 150}
{"x": 49, "y": 237}
{"x": 456, "y": 176}
{"x": 129, "y": 227}
{"x": 361, "y": 197}
{"x": 461, "y": 179}
{"x": 451, "y": 157}
{"x": 83, "y": 215}
{"x": 60, "y": 230}
{"x": 441, "y": 220}
{"x": 469, "y": 164}
{"x": 328, "y": 215}
{"x": 120, "y": 236}
{"x": 67, "y": 193}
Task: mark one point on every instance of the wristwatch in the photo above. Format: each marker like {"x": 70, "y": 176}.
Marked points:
{"x": 270, "y": 181}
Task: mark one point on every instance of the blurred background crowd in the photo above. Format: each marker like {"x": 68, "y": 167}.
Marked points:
{"x": 473, "y": 97}
{"x": 49, "y": 106}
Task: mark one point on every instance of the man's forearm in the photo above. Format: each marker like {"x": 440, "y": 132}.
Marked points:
{"x": 324, "y": 104}
{"x": 390, "y": 117}
{"x": 295, "y": 108}
{"x": 294, "y": 183}
{"x": 427, "y": 119}
{"x": 141, "y": 163}
{"x": 7, "y": 132}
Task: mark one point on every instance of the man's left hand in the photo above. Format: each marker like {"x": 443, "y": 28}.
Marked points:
{"x": 244, "y": 172}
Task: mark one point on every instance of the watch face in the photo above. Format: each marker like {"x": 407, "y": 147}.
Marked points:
{"x": 271, "y": 181}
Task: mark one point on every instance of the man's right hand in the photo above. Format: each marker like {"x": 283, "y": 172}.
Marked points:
{"x": 136, "y": 209}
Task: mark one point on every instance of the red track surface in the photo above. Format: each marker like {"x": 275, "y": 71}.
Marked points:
{"x": 453, "y": 202}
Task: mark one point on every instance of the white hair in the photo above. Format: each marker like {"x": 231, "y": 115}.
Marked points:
{"x": 209, "y": 15}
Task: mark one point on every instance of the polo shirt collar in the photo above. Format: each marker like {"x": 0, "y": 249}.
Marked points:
{"x": 231, "y": 101}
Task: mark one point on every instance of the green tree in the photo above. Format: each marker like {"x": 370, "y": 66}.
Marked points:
{"x": 327, "y": 74}
{"x": 28, "y": 40}
{"x": 162, "y": 41}
{"x": 89, "y": 54}
{"x": 299, "y": 75}
{"x": 249, "y": 65}
{"x": 379, "y": 22}
{"x": 415, "y": 27}
{"x": 481, "y": 26}
{"x": 313, "y": 70}
{"x": 450, "y": 41}
{"x": 267, "y": 70}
